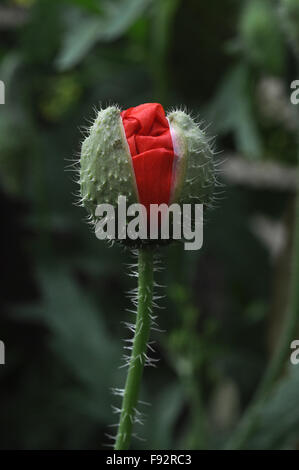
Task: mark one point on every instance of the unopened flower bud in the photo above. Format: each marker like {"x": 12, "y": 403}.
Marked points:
{"x": 147, "y": 157}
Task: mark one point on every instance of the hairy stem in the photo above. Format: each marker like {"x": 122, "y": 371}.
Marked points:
{"x": 138, "y": 357}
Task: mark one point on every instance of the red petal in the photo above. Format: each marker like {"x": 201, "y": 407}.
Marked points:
{"x": 148, "y": 135}
{"x": 153, "y": 170}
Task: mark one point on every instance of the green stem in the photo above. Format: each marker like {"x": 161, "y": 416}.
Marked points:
{"x": 138, "y": 357}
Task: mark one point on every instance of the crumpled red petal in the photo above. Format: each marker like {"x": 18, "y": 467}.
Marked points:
{"x": 148, "y": 135}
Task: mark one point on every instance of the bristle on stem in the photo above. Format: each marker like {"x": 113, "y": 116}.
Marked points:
{"x": 139, "y": 358}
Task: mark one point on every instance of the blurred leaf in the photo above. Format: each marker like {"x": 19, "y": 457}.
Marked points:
{"x": 279, "y": 420}
{"x": 77, "y": 42}
{"x": 261, "y": 36}
{"x": 14, "y": 153}
{"x": 9, "y": 65}
{"x": 84, "y": 32}
{"x": 78, "y": 336}
{"x": 162, "y": 29}
{"x": 45, "y": 23}
{"x": 289, "y": 16}
{"x": 231, "y": 111}
{"x": 162, "y": 416}
{"x": 92, "y": 5}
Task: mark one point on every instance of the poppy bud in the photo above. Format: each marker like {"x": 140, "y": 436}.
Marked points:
{"x": 147, "y": 157}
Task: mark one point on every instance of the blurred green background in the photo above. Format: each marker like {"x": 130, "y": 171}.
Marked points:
{"x": 64, "y": 293}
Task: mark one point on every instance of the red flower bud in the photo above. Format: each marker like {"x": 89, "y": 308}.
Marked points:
{"x": 147, "y": 157}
